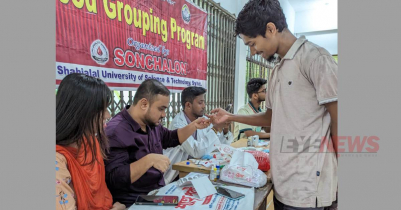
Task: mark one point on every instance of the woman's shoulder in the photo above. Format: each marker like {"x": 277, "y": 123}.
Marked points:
{"x": 61, "y": 165}
{"x": 60, "y": 158}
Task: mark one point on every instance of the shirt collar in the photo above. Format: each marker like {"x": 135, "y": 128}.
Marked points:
{"x": 189, "y": 122}
{"x": 135, "y": 126}
{"x": 295, "y": 47}
{"x": 186, "y": 118}
{"x": 254, "y": 109}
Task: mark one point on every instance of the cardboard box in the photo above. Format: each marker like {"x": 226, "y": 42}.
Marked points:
{"x": 269, "y": 203}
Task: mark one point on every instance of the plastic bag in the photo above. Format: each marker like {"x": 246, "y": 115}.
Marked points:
{"x": 226, "y": 150}
{"x": 243, "y": 170}
{"x": 224, "y": 155}
{"x": 262, "y": 158}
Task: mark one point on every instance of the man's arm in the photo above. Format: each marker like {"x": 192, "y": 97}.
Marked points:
{"x": 226, "y": 138}
{"x": 260, "y": 119}
{"x": 323, "y": 75}
{"x": 200, "y": 147}
{"x": 141, "y": 166}
{"x": 266, "y": 129}
{"x": 332, "y": 109}
{"x": 120, "y": 174}
{"x": 187, "y": 131}
{"x": 260, "y": 134}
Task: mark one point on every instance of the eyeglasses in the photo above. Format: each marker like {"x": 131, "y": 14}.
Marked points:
{"x": 263, "y": 91}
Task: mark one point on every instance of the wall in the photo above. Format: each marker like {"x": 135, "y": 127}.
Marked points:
{"x": 320, "y": 19}
{"x": 319, "y": 26}
{"x": 289, "y": 14}
{"x": 328, "y": 41}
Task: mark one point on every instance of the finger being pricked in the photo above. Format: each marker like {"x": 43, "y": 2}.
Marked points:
{"x": 200, "y": 119}
{"x": 207, "y": 122}
{"x": 214, "y": 111}
{"x": 212, "y": 117}
{"x": 209, "y": 115}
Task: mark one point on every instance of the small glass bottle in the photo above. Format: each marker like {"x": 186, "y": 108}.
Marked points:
{"x": 212, "y": 175}
{"x": 217, "y": 172}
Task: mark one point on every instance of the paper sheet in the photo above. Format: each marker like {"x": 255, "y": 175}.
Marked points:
{"x": 263, "y": 143}
{"x": 203, "y": 187}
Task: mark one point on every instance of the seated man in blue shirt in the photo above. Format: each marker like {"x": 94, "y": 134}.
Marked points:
{"x": 136, "y": 164}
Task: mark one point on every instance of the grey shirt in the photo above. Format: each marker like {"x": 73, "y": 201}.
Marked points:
{"x": 303, "y": 170}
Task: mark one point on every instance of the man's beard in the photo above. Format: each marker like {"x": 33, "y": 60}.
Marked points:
{"x": 260, "y": 100}
{"x": 197, "y": 115}
{"x": 149, "y": 121}
{"x": 273, "y": 60}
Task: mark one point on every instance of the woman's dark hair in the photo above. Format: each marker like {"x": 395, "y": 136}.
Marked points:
{"x": 81, "y": 101}
{"x": 256, "y": 14}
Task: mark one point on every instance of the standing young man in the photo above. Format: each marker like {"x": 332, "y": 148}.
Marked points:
{"x": 301, "y": 108}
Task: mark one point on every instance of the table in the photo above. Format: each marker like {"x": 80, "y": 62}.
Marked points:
{"x": 260, "y": 193}
{"x": 185, "y": 169}
{"x": 244, "y": 143}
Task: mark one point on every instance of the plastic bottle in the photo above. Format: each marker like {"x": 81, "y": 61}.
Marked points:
{"x": 255, "y": 140}
{"x": 212, "y": 175}
{"x": 217, "y": 172}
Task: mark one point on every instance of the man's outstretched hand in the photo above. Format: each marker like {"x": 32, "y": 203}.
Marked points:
{"x": 201, "y": 123}
{"x": 218, "y": 116}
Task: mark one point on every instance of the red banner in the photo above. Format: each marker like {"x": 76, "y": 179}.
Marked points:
{"x": 128, "y": 41}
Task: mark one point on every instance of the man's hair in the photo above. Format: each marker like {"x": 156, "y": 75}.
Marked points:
{"x": 149, "y": 89}
{"x": 254, "y": 85}
{"x": 255, "y": 15}
{"x": 190, "y": 93}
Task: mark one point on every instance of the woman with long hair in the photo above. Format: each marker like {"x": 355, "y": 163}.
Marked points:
{"x": 81, "y": 145}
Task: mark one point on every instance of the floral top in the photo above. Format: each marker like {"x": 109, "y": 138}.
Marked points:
{"x": 65, "y": 197}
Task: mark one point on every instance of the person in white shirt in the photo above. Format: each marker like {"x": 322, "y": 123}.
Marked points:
{"x": 202, "y": 142}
